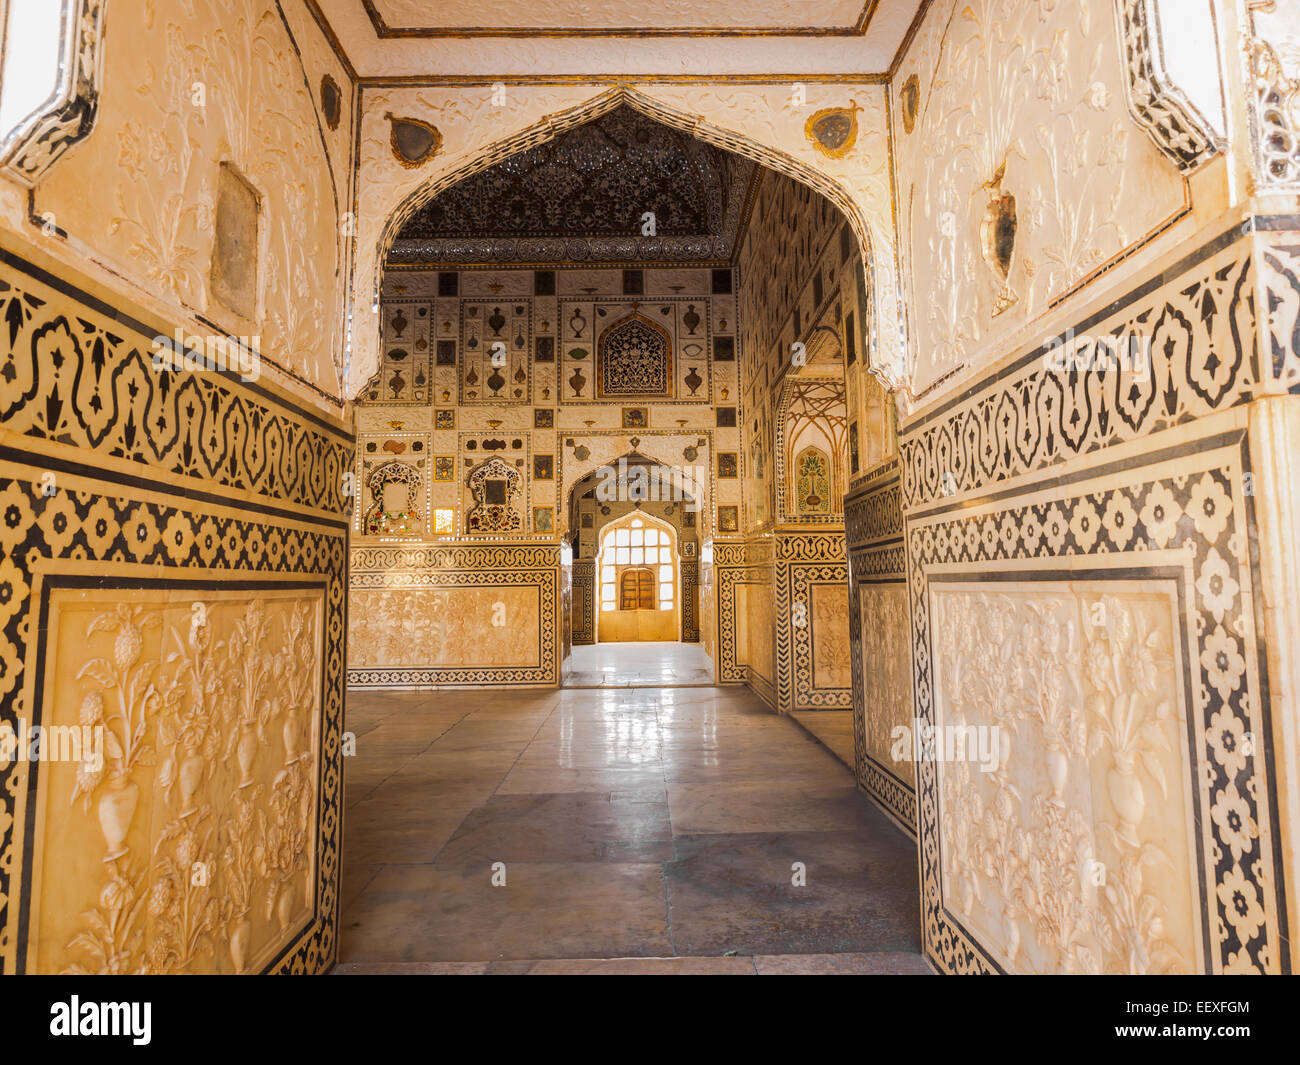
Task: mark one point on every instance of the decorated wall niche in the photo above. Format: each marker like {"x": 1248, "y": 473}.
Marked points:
{"x": 812, "y": 450}
{"x": 393, "y": 494}
{"x": 397, "y": 492}
{"x": 635, "y": 360}
{"x": 497, "y": 490}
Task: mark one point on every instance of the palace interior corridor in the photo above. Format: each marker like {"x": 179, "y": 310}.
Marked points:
{"x": 655, "y": 826}
{"x": 491, "y": 487}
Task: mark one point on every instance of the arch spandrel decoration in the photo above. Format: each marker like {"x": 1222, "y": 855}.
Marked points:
{"x": 634, "y": 360}
{"x": 497, "y": 488}
{"x": 858, "y": 186}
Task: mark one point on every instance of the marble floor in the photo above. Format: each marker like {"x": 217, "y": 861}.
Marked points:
{"x": 833, "y": 728}
{"x": 637, "y": 830}
{"x": 638, "y": 665}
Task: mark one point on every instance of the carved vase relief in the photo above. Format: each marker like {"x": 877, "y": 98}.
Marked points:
{"x": 1068, "y": 838}
{"x": 184, "y": 839}
{"x": 886, "y": 675}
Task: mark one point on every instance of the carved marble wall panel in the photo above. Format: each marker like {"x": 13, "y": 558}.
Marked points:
{"x": 455, "y": 613}
{"x": 1071, "y": 843}
{"x": 1171, "y": 520}
{"x": 810, "y": 622}
{"x": 880, "y": 637}
{"x": 1104, "y": 482}
{"x": 830, "y": 650}
{"x": 1029, "y": 102}
{"x": 185, "y": 533}
{"x": 185, "y": 839}
{"x": 183, "y": 94}
{"x": 739, "y": 570}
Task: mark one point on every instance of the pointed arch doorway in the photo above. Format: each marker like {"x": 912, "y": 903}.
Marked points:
{"x": 635, "y": 541}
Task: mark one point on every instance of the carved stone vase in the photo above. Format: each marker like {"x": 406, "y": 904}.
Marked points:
{"x": 246, "y": 752}
{"x": 116, "y": 809}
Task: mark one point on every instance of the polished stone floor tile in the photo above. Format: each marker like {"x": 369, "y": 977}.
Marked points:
{"x": 884, "y": 963}
{"x": 565, "y": 910}
{"x": 562, "y": 827}
{"x": 736, "y": 893}
{"x": 833, "y": 729}
{"x": 641, "y": 830}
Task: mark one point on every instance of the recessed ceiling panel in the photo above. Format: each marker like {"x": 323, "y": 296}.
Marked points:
{"x": 581, "y": 18}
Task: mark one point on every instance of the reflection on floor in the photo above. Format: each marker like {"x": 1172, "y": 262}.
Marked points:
{"x": 834, "y": 728}
{"x": 632, "y": 824}
{"x": 638, "y": 665}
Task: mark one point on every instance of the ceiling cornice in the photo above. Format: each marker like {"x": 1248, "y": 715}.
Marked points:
{"x": 384, "y": 31}
{"x": 477, "y": 80}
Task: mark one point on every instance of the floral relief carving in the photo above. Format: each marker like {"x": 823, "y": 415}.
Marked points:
{"x": 206, "y": 804}
{"x": 886, "y": 672}
{"x": 1072, "y": 851}
{"x": 188, "y": 88}
{"x": 1033, "y": 93}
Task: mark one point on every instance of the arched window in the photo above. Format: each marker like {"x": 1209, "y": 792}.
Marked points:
{"x": 638, "y": 567}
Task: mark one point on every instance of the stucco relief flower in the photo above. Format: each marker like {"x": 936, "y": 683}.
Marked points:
{"x": 1009, "y": 531}
{"x": 209, "y": 541}
{"x": 1098, "y": 96}
{"x": 1031, "y": 532}
{"x": 141, "y": 533}
{"x": 130, "y": 151}
{"x": 1160, "y": 515}
{"x": 989, "y": 537}
{"x": 100, "y": 528}
{"x": 178, "y": 536}
{"x": 1240, "y": 899}
{"x": 1223, "y": 662}
{"x": 58, "y": 522}
{"x": 1226, "y": 736}
{"x": 1232, "y": 814}
{"x": 1209, "y": 507}
{"x": 15, "y": 516}
{"x": 1216, "y": 585}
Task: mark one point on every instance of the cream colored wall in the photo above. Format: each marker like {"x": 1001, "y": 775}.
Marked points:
{"x": 185, "y": 90}
{"x": 1084, "y": 552}
{"x": 208, "y": 841}
{"x": 1040, "y": 90}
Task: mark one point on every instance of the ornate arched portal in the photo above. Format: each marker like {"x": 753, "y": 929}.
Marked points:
{"x": 475, "y": 136}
